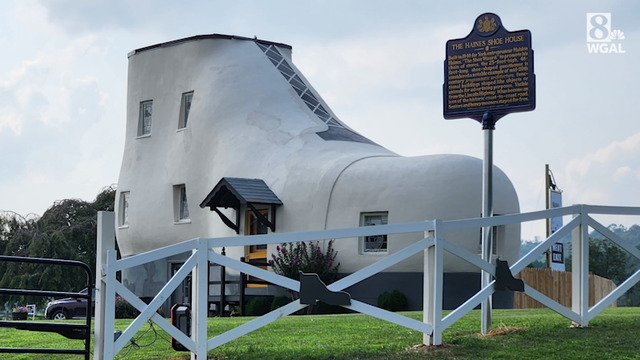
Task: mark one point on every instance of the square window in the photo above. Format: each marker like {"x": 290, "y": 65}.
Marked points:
{"x": 185, "y": 107}
{"x": 124, "y": 209}
{"x": 144, "y": 123}
{"x": 375, "y": 243}
{"x": 181, "y": 205}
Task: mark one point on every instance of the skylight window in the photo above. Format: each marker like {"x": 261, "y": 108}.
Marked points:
{"x": 337, "y": 130}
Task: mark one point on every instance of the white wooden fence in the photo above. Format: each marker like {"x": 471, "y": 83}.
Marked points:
{"x": 433, "y": 247}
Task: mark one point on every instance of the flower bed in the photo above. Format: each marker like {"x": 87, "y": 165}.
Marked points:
{"x": 19, "y": 313}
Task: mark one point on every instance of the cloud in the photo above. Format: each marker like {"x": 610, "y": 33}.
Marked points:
{"x": 608, "y": 175}
{"x": 47, "y": 103}
{"x": 89, "y": 16}
{"x": 355, "y": 64}
{"x": 622, "y": 172}
{"x": 12, "y": 121}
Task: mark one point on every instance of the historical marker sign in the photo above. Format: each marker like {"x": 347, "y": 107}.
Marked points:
{"x": 490, "y": 70}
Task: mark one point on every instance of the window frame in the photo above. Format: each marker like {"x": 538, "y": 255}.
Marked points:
{"x": 123, "y": 213}
{"x": 180, "y": 203}
{"x": 141, "y": 119}
{"x": 385, "y": 238}
{"x": 183, "y": 119}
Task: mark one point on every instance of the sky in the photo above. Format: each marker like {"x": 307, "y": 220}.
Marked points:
{"x": 378, "y": 64}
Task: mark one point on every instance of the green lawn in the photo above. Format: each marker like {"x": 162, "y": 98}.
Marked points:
{"x": 521, "y": 334}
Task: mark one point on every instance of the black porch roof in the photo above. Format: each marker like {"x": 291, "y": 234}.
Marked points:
{"x": 233, "y": 192}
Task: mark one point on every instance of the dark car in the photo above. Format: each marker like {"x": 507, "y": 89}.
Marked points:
{"x": 68, "y": 308}
{"x": 71, "y": 307}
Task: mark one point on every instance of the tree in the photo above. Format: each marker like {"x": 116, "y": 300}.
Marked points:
{"x": 67, "y": 230}
{"x": 608, "y": 260}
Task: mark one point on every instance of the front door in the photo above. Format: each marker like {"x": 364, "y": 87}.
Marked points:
{"x": 256, "y": 254}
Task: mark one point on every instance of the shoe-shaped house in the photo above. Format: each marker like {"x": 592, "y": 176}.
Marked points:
{"x": 225, "y": 135}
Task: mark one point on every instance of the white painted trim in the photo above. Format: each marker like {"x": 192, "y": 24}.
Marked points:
{"x": 615, "y": 238}
{"x": 614, "y": 295}
{"x": 255, "y": 271}
{"x": 390, "y": 316}
{"x": 467, "y": 306}
{"x": 469, "y": 257}
{"x": 543, "y": 246}
{"x": 380, "y": 265}
{"x": 553, "y": 305}
{"x": 255, "y": 324}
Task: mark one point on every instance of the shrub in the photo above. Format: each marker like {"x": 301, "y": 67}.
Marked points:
{"x": 280, "y": 301}
{"x": 394, "y": 301}
{"x": 292, "y": 258}
{"x": 236, "y": 311}
{"x": 258, "y": 306}
{"x": 124, "y": 310}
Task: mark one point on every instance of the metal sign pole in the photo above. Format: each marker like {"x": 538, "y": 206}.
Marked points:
{"x": 476, "y": 88}
{"x": 547, "y": 185}
{"x": 488, "y": 125}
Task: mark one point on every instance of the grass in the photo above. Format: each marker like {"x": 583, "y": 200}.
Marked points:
{"x": 517, "y": 334}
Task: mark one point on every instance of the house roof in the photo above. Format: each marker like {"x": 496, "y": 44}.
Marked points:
{"x": 203, "y": 37}
{"x": 232, "y": 192}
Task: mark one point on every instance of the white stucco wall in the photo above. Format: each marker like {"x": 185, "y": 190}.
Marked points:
{"x": 247, "y": 121}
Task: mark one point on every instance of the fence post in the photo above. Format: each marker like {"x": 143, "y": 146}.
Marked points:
{"x": 110, "y": 306}
{"x": 243, "y": 285}
{"x": 105, "y": 241}
{"x": 428, "y": 315}
{"x": 438, "y": 283}
{"x": 199, "y": 296}
{"x": 223, "y": 286}
{"x": 580, "y": 268}
{"x": 432, "y": 291}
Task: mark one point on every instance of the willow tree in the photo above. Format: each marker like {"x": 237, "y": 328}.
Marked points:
{"x": 67, "y": 230}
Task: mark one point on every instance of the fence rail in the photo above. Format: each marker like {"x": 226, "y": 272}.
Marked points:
{"x": 556, "y": 285}
{"x": 432, "y": 246}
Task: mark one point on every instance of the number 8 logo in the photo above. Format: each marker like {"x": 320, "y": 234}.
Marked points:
{"x": 598, "y": 26}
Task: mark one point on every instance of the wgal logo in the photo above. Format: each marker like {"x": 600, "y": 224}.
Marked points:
{"x": 600, "y": 37}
